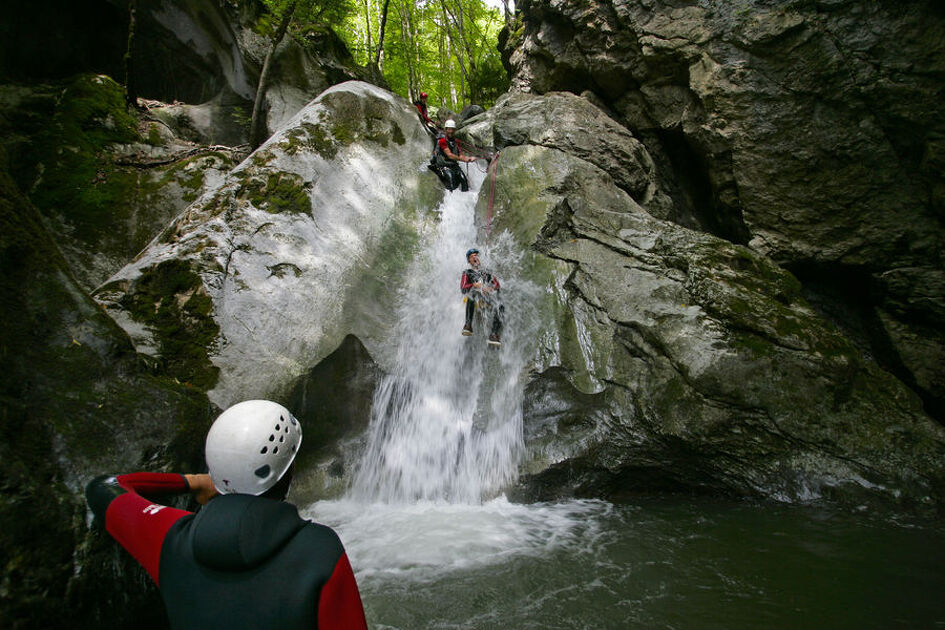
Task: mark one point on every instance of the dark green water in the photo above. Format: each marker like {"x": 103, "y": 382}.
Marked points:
{"x": 655, "y": 564}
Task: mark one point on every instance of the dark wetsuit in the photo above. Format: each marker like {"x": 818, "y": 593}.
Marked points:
{"x": 449, "y": 171}
{"x": 472, "y": 276}
{"x": 424, "y": 115}
{"x": 240, "y": 562}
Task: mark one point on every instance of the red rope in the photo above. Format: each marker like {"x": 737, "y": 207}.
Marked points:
{"x": 492, "y": 167}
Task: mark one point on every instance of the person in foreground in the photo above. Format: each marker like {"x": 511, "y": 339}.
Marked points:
{"x": 246, "y": 559}
{"x": 479, "y": 284}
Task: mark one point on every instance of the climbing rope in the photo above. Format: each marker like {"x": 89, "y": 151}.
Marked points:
{"x": 492, "y": 167}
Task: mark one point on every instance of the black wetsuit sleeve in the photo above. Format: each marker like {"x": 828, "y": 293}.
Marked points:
{"x": 100, "y": 492}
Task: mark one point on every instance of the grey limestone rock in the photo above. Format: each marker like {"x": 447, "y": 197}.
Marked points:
{"x": 810, "y": 131}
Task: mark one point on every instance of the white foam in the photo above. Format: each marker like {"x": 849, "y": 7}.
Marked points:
{"x": 425, "y": 539}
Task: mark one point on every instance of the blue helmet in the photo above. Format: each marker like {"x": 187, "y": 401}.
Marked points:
{"x": 470, "y": 252}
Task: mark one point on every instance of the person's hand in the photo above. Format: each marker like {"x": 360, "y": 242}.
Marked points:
{"x": 470, "y": 159}
{"x": 487, "y": 289}
{"x": 477, "y": 285}
{"x": 201, "y": 486}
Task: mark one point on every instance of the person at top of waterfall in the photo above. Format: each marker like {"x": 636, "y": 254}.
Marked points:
{"x": 480, "y": 285}
{"x": 246, "y": 559}
{"x": 446, "y": 157}
{"x": 424, "y": 114}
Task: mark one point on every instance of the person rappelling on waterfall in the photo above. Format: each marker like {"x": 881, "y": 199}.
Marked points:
{"x": 246, "y": 559}
{"x": 424, "y": 114}
{"x": 447, "y": 154}
{"x": 480, "y": 285}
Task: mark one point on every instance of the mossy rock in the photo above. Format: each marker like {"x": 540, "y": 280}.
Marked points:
{"x": 170, "y": 299}
{"x": 278, "y": 192}
{"x": 75, "y": 402}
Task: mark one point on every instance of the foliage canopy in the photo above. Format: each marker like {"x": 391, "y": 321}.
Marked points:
{"x": 446, "y": 48}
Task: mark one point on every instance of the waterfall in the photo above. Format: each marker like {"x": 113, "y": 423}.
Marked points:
{"x": 446, "y": 422}
{"x": 445, "y": 436}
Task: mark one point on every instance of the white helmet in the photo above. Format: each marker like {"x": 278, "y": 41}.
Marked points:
{"x": 251, "y": 446}
{"x": 449, "y": 124}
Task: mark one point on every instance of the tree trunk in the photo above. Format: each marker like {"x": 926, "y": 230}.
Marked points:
{"x": 131, "y": 88}
{"x": 406, "y": 36}
{"x": 257, "y": 126}
{"x": 457, "y": 50}
{"x": 369, "y": 46}
{"x": 380, "y": 37}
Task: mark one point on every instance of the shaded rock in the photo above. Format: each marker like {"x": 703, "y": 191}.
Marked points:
{"x": 306, "y": 67}
{"x": 333, "y": 403}
{"x": 56, "y": 39}
{"x": 190, "y": 51}
{"x": 75, "y": 402}
{"x": 105, "y": 178}
{"x": 210, "y": 123}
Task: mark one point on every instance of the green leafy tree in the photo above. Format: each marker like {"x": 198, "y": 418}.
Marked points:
{"x": 447, "y": 48}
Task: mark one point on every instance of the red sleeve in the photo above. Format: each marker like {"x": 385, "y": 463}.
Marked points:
{"x": 464, "y": 284}
{"x": 140, "y": 525}
{"x": 339, "y": 604}
{"x": 495, "y": 282}
{"x": 442, "y": 144}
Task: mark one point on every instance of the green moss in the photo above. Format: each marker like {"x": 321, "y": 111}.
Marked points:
{"x": 312, "y": 138}
{"x": 262, "y": 158}
{"x": 190, "y": 173}
{"x": 170, "y": 299}
{"x": 67, "y": 160}
{"x": 280, "y": 192}
{"x": 154, "y": 136}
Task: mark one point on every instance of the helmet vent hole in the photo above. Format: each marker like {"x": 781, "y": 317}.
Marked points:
{"x": 278, "y": 427}
{"x": 275, "y": 449}
{"x": 287, "y": 428}
{"x": 282, "y": 438}
{"x": 263, "y": 471}
{"x": 272, "y": 438}
{"x": 293, "y": 448}
{"x": 264, "y": 450}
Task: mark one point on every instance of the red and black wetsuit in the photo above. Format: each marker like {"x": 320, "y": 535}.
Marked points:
{"x": 472, "y": 276}
{"x": 451, "y": 174}
{"x": 240, "y": 562}
{"x": 424, "y": 114}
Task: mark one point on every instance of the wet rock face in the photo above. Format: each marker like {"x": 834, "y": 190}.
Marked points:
{"x": 75, "y": 403}
{"x": 675, "y": 360}
{"x": 810, "y": 131}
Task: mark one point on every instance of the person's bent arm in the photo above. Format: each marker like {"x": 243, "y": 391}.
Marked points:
{"x": 135, "y": 522}
{"x": 445, "y": 147}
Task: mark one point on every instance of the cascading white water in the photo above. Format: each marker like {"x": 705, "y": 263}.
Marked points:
{"x": 446, "y": 423}
{"x": 446, "y": 428}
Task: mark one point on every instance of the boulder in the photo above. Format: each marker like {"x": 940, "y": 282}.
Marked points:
{"x": 299, "y": 246}
{"x": 811, "y": 132}
{"x": 673, "y": 359}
